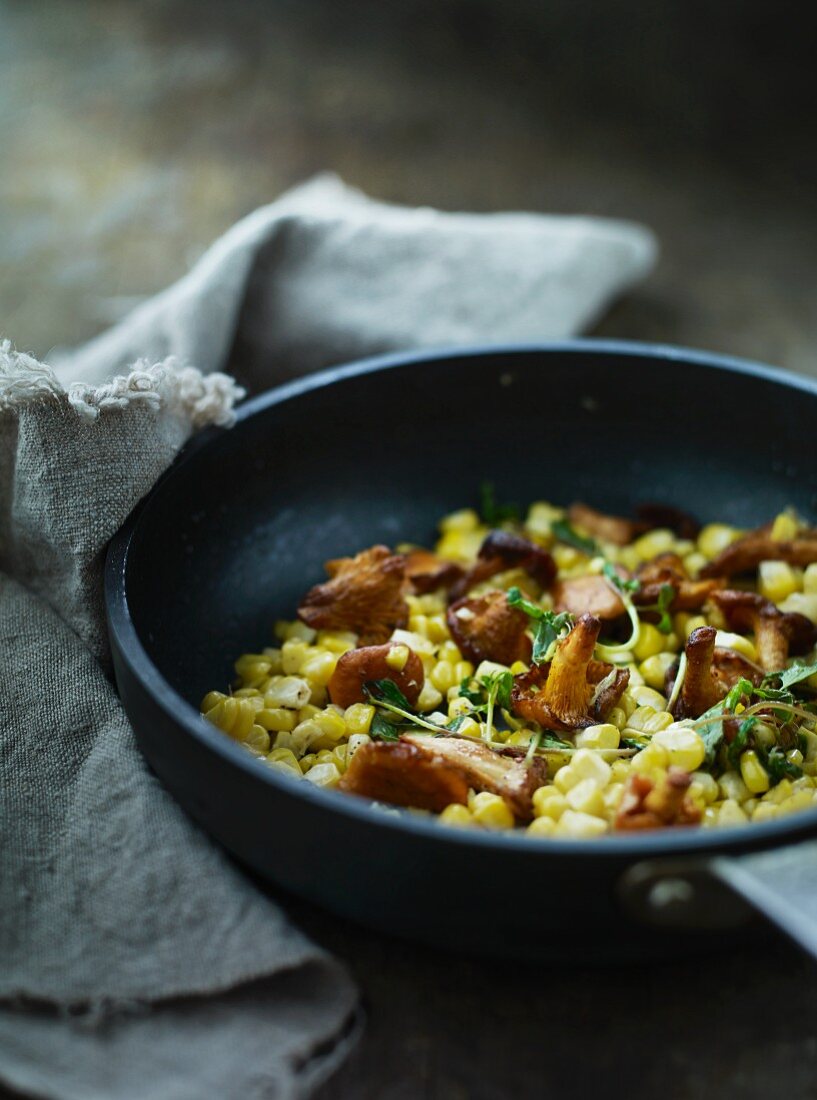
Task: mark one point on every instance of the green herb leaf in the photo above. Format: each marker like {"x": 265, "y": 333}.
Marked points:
{"x": 386, "y": 691}
{"x": 633, "y": 743}
{"x": 779, "y": 767}
{"x": 666, "y": 594}
{"x": 741, "y": 742}
{"x": 564, "y": 533}
{"x": 617, "y": 581}
{"x": 492, "y": 513}
{"x": 382, "y": 729}
{"x": 499, "y": 685}
{"x": 796, "y": 673}
{"x": 549, "y": 629}
{"x": 455, "y": 724}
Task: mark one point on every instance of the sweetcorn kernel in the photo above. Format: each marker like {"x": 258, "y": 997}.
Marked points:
{"x": 654, "y": 543}
{"x": 579, "y": 826}
{"x": 457, "y": 816}
{"x": 466, "y": 519}
{"x": 358, "y": 717}
{"x": 586, "y": 797}
{"x": 397, "y": 657}
{"x": 355, "y": 742}
{"x": 737, "y": 642}
{"x": 276, "y": 718}
{"x": 730, "y": 813}
{"x": 706, "y": 784}
{"x": 716, "y": 537}
{"x": 319, "y": 667}
{"x": 443, "y": 676}
{"x": 604, "y": 736}
{"x": 429, "y": 698}
{"x": 810, "y": 579}
{"x": 491, "y": 811}
{"x": 654, "y": 669}
{"x": 285, "y": 759}
{"x": 651, "y": 758}
{"x": 587, "y": 764}
{"x": 766, "y": 811}
{"x": 323, "y": 775}
{"x": 549, "y": 802}
{"x": 776, "y": 580}
{"x": 257, "y": 739}
{"x": 785, "y": 526}
{"x": 804, "y": 603}
{"x": 541, "y": 826}
{"x": 644, "y": 696}
{"x": 336, "y": 641}
{"x": 565, "y": 778}
{"x": 650, "y": 642}
{"x": 753, "y": 773}
{"x": 733, "y": 788}
{"x": 649, "y": 720}
{"x": 684, "y": 746}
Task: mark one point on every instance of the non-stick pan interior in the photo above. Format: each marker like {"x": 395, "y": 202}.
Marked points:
{"x": 242, "y": 527}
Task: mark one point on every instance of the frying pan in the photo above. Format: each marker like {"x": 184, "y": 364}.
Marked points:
{"x": 375, "y": 452}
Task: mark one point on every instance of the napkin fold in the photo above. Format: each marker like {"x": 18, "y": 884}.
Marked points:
{"x": 135, "y": 960}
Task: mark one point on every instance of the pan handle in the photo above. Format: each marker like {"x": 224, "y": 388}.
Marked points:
{"x": 718, "y": 893}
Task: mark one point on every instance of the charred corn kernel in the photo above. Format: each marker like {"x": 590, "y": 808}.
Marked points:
{"x": 541, "y": 826}
{"x": 252, "y": 669}
{"x": 323, "y": 775}
{"x": 730, "y": 813}
{"x": 716, "y": 537}
{"x": 457, "y": 816}
{"x": 617, "y": 717}
{"x": 565, "y": 778}
{"x": 355, "y": 742}
{"x": 706, "y": 784}
{"x": 732, "y": 787}
{"x": 654, "y": 543}
{"x": 429, "y": 698}
{"x": 752, "y": 772}
{"x": 276, "y": 719}
{"x": 437, "y": 628}
{"x": 684, "y": 746}
{"x": 443, "y": 676}
{"x": 469, "y": 728}
{"x": 541, "y": 515}
{"x": 737, "y": 642}
{"x": 491, "y": 811}
{"x": 459, "y": 706}
{"x": 416, "y": 642}
{"x": 466, "y": 519}
{"x": 287, "y": 691}
{"x": 650, "y": 641}
{"x": 603, "y": 736}
{"x": 586, "y": 798}
{"x": 776, "y": 580}
{"x": 766, "y": 811}
{"x": 694, "y": 563}
{"x": 654, "y": 669}
{"x": 651, "y": 758}
{"x": 332, "y": 723}
{"x": 800, "y": 800}
{"x": 575, "y": 825}
{"x": 647, "y": 697}
{"x": 397, "y": 657}
{"x": 587, "y": 764}
{"x": 549, "y": 802}
{"x": 358, "y": 717}
{"x": 804, "y": 603}
{"x": 785, "y": 526}
{"x": 336, "y": 641}
{"x": 463, "y": 670}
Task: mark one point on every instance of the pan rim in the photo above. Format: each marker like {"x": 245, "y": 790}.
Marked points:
{"x": 126, "y": 642}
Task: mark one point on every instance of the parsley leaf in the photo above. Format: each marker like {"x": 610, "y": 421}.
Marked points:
{"x": 382, "y": 729}
{"x": 712, "y": 732}
{"x": 562, "y": 530}
{"x": 779, "y": 767}
{"x": 617, "y": 581}
{"x": 499, "y": 685}
{"x": 386, "y": 691}
{"x": 492, "y": 513}
{"x": 796, "y": 673}
{"x": 666, "y": 594}
{"x": 549, "y": 628}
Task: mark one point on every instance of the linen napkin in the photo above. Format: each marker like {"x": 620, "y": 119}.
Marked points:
{"x": 135, "y": 960}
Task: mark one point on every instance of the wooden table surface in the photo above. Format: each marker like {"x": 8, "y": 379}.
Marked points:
{"x": 133, "y": 134}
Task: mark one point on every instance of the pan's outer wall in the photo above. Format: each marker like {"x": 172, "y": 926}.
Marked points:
{"x": 240, "y": 527}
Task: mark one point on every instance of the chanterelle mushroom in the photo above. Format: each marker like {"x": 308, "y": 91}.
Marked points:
{"x": 777, "y": 633}
{"x": 501, "y": 550}
{"x": 710, "y": 674}
{"x": 574, "y": 691}
{"x": 746, "y": 553}
{"x": 590, "y": 594}
{"x": 425, "y": 572}
{"x": 357, "y": 667}
{"x": 620, "y": 530}
{"x": 364, "y": 595}
{"x": 690, "y": 595}
{"x": 487, "y": 628}
{"x": 430, "y": 772}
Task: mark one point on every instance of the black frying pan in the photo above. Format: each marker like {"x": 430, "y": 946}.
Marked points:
{"x": 375, "y": 452}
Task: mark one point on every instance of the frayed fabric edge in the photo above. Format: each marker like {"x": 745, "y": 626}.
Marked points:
{"x": 181, "y": 390}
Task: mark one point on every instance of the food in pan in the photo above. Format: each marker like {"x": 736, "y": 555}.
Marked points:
{"x": 570, "y": 673}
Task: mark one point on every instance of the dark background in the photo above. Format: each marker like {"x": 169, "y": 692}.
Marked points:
{"x": 133, "y": 134}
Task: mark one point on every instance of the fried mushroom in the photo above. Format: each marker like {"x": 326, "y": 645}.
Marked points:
{"x": 573, "y": 691}
{"x": 590, "y": 594}
{"x": 608, "y": 528}
{"x": 357, "y": 667}
{"x": 502, "y": 550}
{"x": 746, "y": 553}
{"x": 668, "y": 568}
{"x": 487, "y": 628}
{"x": 646, "y": 804}
{"x": 778, "y": 634}
{"x": 364, "y": 595}
{"x": 700, "y": 690}
{"x": 425, "y": 572}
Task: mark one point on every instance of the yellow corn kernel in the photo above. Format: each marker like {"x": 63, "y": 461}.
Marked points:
{"x": 418, "y": 624}
{"x": 706, "y": 784}
{"x": 293, "y": 655}
{"x": 716, "y": 537}
{"x": 466, "y": 519}
{"x": 730, "y": 813}
{"x": 449, "y": 651}
{"x": 617, "y": 717}
{"x": 306, "y": 762}
{"x": 257, "y": 739}
{"x": 651, "y": 758}
{"x": 336, "y": 641}
{"x": 541, "y": 515}
{"x": 694, "y": 563}
{"x": 541, "y": 826}
{"x": 491, "y": 811}
{"x": 647, "y": 697}
{"x": 458, "y": 706}
{"x": 358, "y": 717}
{"x": 800, "y": 800}
{"x": 323, "y": 774}
{"x": 355, "y": 742}
{"x": 587, "y": 764}
{"x": 586, "y": 798}
{"x": 273, "y": 655}
{"x": 684, "y": 746}
{"x": 575, "y": 825}
{"x": 286, "y": 758}
{"x": 397, "y": 657}
{"x": 776, "y": 580}
{"x": 252, "y": 668}
{"x": 212, "y": 700}
{"x": 732, "y": 787}
{"x": 437, "y": 628}
{"x": 332, "y": 723}
{"x": 287, "y": 691}
{"x": 765, "y": 811}
{"x": 443, "y": 676}
{"x": 276, "y": 719}
{"x": 460, "y": 546}
{"x": 654, "y": 669}
{"x": 318, "y": 668}
{"x": 566, "y": 557}
{"x": 804, "y": 603}
{"x": 603, "y": 736}
{"x": 785, "y": 526}
{"x": 565, "y": 778}
{"x": 752, "y": 772}
{"x": 424, "y": 649}
{"x": 654, "y": 543}
{"x": 650, "y": 641}
{"x": 619, "y": 770}
{"x": 810, "y": 579}
{"x": 307, "y": 712}
{"x": 649, "y": 720}
{"x": 469, "y": 728}
{"x": 457, "y": 816}
{"x": 429, "y": 698}
{"x": 549, "y": 802}
{"x": 780, "y": 792}
{"x": 737, "y": 642}
{"x": 463, "y": 670}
